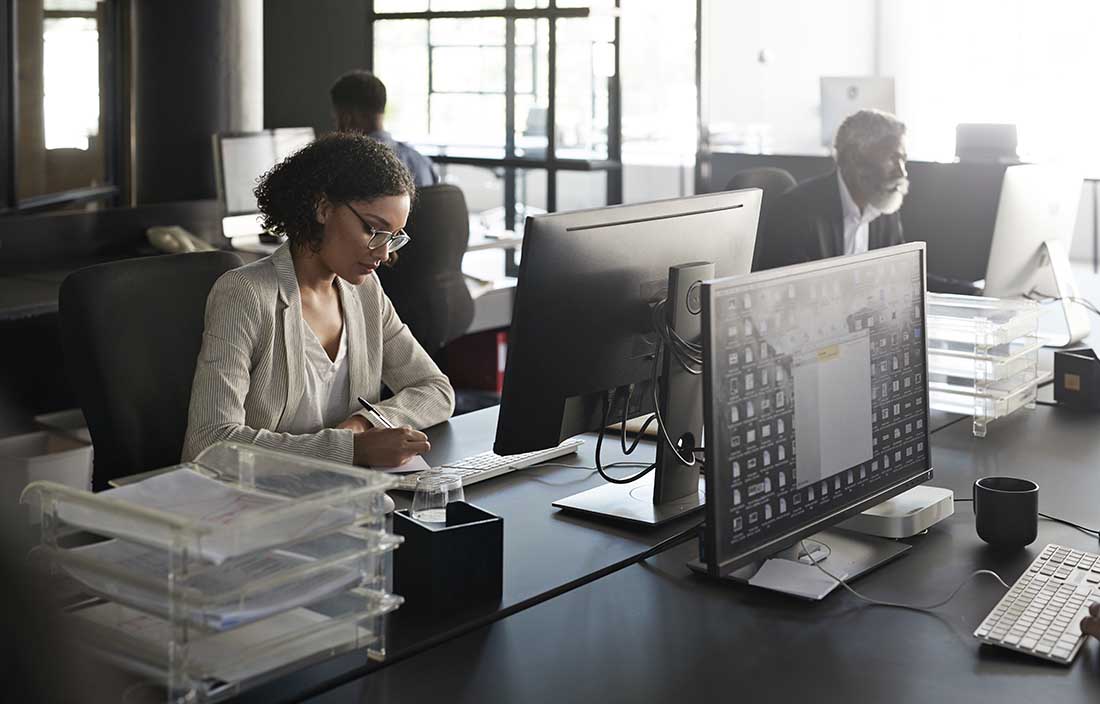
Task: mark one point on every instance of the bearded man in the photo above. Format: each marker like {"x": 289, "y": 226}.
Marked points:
{"x": 848, "y": 211}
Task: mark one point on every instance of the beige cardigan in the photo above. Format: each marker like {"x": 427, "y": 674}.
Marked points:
{"x": 249, "y": 375}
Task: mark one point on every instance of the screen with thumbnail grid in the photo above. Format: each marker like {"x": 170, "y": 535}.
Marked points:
{"x": 818, "y": 396}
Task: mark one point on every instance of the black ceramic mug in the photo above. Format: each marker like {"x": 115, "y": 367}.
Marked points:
{"x": 1006, "y": 511}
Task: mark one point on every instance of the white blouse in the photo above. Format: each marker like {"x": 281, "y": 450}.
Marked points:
{"x": 327, "y": 399}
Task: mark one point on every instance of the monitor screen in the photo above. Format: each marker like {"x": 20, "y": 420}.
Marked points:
{"x": 242, "y": 158}
{"x": 817, "y": 408}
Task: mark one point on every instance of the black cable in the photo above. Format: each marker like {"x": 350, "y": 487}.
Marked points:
{"x": 599, "y": 448}
{"x": 1071, "y": 524}
{"x": 661, "y": 421}
{"x": 622, "y": 425}
{"x": 681, "y": 537}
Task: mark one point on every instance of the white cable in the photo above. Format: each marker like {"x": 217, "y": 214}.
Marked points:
{"x": 912, "y": 607}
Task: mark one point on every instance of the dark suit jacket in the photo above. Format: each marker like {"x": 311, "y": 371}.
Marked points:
{"x": 807, "y": 223}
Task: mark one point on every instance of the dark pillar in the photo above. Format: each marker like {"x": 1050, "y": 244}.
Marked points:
{"x": 197, "y": 69}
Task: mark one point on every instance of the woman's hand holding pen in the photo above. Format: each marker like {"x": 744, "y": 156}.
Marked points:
{"x": 389, "y": 447}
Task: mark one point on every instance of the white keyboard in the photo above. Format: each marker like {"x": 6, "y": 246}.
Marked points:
{"x": 487, "y": 465}
{"x": 1041, "y": 614}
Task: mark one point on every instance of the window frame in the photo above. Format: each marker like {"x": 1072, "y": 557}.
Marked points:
{"x": 112, "y": 53}
{"x": 510, "y": 162}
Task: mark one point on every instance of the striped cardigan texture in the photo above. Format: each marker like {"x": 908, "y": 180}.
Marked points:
{"x": 249, "y": 377}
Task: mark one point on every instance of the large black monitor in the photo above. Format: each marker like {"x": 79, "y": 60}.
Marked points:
{"x": 817, "y": 401}
{"x": 582, "y": 322}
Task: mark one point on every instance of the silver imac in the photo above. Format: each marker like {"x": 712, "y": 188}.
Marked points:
{"x": 843, "y": 95}
{"x": 816, "y": 408}
{"x": 1036, "y": 217}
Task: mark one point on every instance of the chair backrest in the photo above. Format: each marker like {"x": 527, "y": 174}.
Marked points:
{"x": 426, "y": 285}
{"x": 132, "y": 330}
{"x": 773, "y": 181}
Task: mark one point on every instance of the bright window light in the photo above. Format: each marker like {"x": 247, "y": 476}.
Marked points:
{"x": 1012, "y": 61}
{"x": 70, "y": 82}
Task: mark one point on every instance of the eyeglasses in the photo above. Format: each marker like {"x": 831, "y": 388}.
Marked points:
{"x": 395, "y": 240}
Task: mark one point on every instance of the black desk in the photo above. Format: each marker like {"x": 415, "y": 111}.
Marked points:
{"x": 546, "y": 552}
{"x": 656, "y": 632}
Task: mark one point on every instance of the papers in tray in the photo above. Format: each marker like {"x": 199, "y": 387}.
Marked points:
{"x": 234, "y": 656}
{"x": 220, "y": 598}
{"x": 222, "y": 508}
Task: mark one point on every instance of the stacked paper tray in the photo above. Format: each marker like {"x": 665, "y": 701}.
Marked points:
{"x": 218, "y": 574}
{"x": 983, "y": 356}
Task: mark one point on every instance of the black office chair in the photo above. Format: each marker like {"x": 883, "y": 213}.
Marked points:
{"x": 426, "y": 285}
{"x": 131, "y": 331}
{"x": 773, "y": 181}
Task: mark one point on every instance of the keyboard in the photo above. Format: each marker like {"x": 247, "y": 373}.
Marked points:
{"x": 1041, "y": 614}
{"x": 487, "y": 465}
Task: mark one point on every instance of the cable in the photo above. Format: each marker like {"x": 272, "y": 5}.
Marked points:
{"x": 1040, "y": 297}
{"x": 897, "y": 605}
{"x": 681, "y": 537}
{"x": 1071, "y": 524}
{"x": 661, "y": 421}
{"x": 622, "y": 425}
{"x": 599, "y": 448}
{"x": 592, "y": 469}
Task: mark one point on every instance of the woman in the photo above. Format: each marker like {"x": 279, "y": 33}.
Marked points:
{"x": 292, "y": 339}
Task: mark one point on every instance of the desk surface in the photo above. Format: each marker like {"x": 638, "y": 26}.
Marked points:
{"x": 545, "y": 550}
{"x": 656, "y": 632}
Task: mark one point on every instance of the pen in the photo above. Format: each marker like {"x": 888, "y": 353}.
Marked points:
{"x": 375, "y": 417}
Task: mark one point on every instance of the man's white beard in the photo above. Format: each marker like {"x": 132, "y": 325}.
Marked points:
{"x": 889, "y": 199}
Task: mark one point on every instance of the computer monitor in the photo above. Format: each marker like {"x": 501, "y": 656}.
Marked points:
{"x": 1036, "y": 218}
{"x": 240, "y": 159}
{"x": 843, "y": 95}
{"x": 986, "y": 142}
{"x": 582, "y": 326}
{"x": 816, "y": 405}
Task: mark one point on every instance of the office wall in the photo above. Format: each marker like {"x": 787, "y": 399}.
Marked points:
{"x": 763, "y": 61}
{"x": 307, "y": 45}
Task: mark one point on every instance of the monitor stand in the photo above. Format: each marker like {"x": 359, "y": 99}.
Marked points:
{"x": 632, "y": 502}
{"x": 849, "y": 555}
{"x": 674, "y": 488}
{"x": 1077, "y": 319}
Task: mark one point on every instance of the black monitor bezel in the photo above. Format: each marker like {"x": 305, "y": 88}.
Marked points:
{"x": 711, "y": 467}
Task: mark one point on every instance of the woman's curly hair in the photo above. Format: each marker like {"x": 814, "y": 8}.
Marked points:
{"x": 341, "y": 167}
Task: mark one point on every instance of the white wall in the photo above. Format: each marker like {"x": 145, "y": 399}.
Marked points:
{"x": 801, "y": 41}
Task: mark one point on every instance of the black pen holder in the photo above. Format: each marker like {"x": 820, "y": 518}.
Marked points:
{"x": 1077, "y": 379}
{"x": 442, "y": 569}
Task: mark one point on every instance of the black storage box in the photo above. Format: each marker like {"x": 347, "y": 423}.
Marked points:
{"x": 1077, "y": 379}
{"x": 442, "y": 569}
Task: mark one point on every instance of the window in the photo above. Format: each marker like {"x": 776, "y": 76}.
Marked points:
{"x": 61, "y": 116}
{"x": 471, "y": 83}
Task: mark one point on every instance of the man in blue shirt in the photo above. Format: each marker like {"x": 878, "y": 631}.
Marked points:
{"x": 358, "y": 102}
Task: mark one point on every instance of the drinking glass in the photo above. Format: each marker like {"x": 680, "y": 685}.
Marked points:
{"x": 434, "y": 490}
